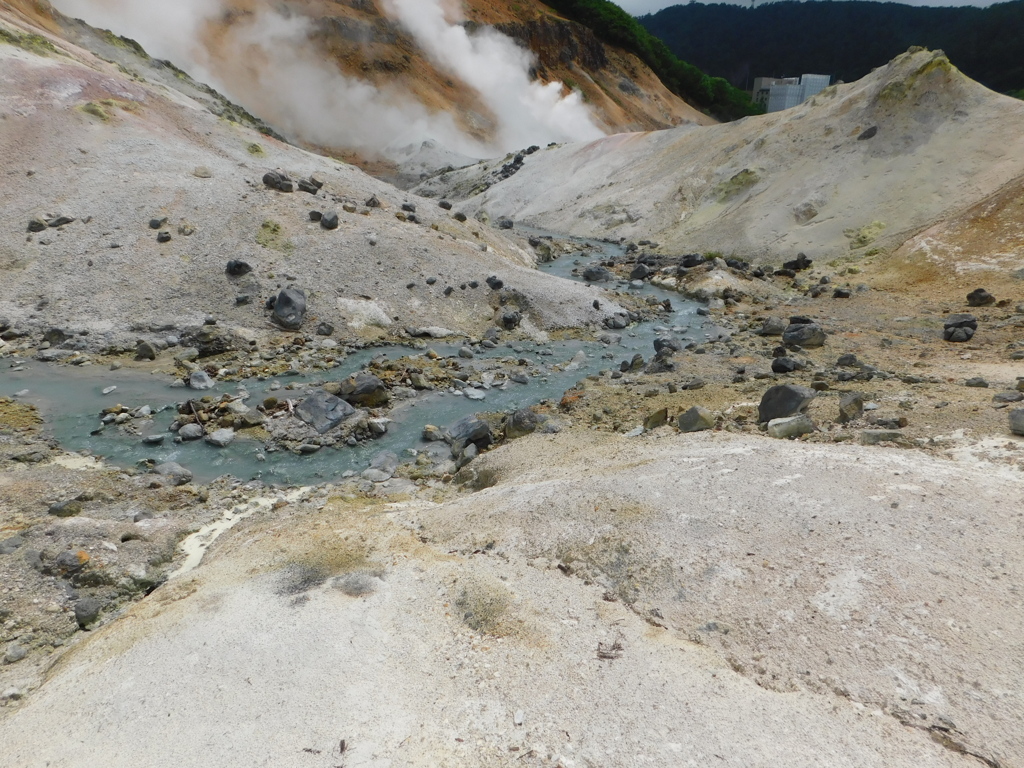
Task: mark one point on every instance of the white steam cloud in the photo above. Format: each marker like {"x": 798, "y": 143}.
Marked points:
{"x": 266, "y": 62}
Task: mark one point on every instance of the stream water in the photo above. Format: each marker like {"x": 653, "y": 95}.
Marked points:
{"x": 71, "y": 398}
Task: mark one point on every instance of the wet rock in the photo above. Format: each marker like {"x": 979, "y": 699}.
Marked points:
{"x": 979, "y": 297}
{"x": 851, "y": 407}
{"x": 432, "y": 434}
{"x": 238, "y": 268}
{"x": 697, "y": 419}
{"x": 87, "y": 611}
{"x": 790, "y": 427}
{"x": 959, "y": 327}
{"x": 190, "y": 432}
{"x": 323, "y": 411}
{"x": 364, "y": 389}
{"x": 784, "y": 400}
{"x": 1017, "y": 421}
{"x": 804, "y": 335}
{"x": 290, "y": 308}
{"x": 200, "y": 380}
{"x": 667, "y": 345}
{"x": 157, "y": 439}
{"x": 772, "y": 326}
{"x": 519, "y": 423}
{"x": 466, "y": 352}
{"x": 597, "y": 274}
{"x": 381, "y": 468}
{"x": 173, "y": 472}
{"x": 221, "y": 438}
{"x": 465, "y": 431}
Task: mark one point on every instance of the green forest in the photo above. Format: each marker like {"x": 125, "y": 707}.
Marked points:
{"x": 614, "y": 26}
{"x": 843, "y": 39}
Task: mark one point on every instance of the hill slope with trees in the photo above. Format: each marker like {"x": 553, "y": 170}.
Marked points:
{"x": 844, "y": 39}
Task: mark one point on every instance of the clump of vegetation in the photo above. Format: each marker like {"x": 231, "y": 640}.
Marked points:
{"x": 271, "y": 236}
{"x": 864, "y": 236}
{"x": 255, "y": 149}
{"x": 125, "y": 42}
{"x": 484, "y": 607}
{"x": 33, "y": 43}
{"x": 96, "y": 109}
{"x": 616, "y": 27}
{"x": 743, "y": 180}
{"x": 101, "y": 109}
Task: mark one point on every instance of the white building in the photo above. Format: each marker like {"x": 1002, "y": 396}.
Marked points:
{"x": 778, "y": 93}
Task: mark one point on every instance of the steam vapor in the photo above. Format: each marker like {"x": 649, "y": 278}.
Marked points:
{"x": 266, "y": 62}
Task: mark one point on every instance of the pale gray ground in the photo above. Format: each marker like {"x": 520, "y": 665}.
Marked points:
{"x": 798, "y": 180}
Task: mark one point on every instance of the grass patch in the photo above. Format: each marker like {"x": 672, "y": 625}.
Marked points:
{"x": 270, "y": 236}
{"x": 859, "y": 238}
{"x": 32, "y": 43}
{"x": 484, "y": 606}
{"x": 255, "y": 149}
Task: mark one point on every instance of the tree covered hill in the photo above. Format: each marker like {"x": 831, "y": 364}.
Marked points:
{"x": 844, "y": 39}
{"x": 614, "y": 26}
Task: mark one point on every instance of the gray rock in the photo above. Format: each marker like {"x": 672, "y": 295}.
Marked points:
{"x": 466, "y": 352}
{"x": 791, "y": 426}
{"x": 307, "y": 448}
{"x": 329, "y": 220}
{"x": 15, "y": 653}
{"x": 157, "y": 439}
{"x": 1017, "y": 421}
{"x": 851, "y": 407}
{"x": 174, "y": 473}
{"x": 10, "y": 545}
{"x": 784, "y": 400}
{"x": 657, "y": 419}
{"x": 221, "y": 438}
{"x": 468, "y": 454}
{"x": 697, "y": 419}
{"x": 290, "y": 308}
{"x": 323, "y": 411}
{"x": 364, "y": 389}
{"x": 979, "y": 297}
{"x": 238, "y": 268}
{"x": 200, "y": 380}
{"x": 87, "y": 610}
{"x": 849, "y": 360}
{"x": 876, "y": 436}
{"x": 1007, "y": 397}
{"x": 519, "y": 423}
{"x": 976, "y": 381}
{"x": 381, "y": 468}
{"x": 785, "y": 365}
{"x": 190, "y": 432}
{"x": 772, "y": 326}
{"x": 804, "y": 334}
{"x": 510, "y": 319}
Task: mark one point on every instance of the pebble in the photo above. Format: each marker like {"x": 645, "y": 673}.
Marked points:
{"x": 108, "y": 390}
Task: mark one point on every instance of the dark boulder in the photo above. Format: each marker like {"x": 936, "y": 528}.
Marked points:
{"x": 804, "y": 335}
{"x": 520, "y": 422}
{"x": 495, "y": 283}
{"x": 278, "y": 180}
{"x": 785, "y": 365}
{"x": 597, "y": 274}
{"x": 364, "y": 389}
{"x": 800, "y": 263}
{"x": 323, "y": 411}
{"x": 238, "y": 268}
{"x": 979, "y": 297}
{"x": 504, "y": 222}
{"x": 692, "y": 260}
{"x": 290, "y": 308}
{"x": 444, "y": 205}
{"x": 641, "y": 272}
{"x": 959, "y": 327}
{"x": 784, "y": 400}
{"x": 510, "y": 319}
{"x": 851, "y": 407}
{"x": 329, "y": 220}
{"x": 466, "y": 431}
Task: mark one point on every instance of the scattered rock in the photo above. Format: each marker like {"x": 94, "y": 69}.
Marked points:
{"x": 466, "y": 431}
{"x": 329, "y": 220}
{"x": 1017, "y": 421}
{"x": 15, "y": 653}
{"x": 804, "y": 335}
{"x": 278, "y": 180}
{"x": 190, "y": 432}
{"x": 876, "y": 436}
{"x": 87, "y": 611}
{"x": 10, "y": 545}
{"x": 657, "y": 419}
{"x": 979, "y": 297}
{"x": 1008, "y": 397}
{"x": 697, "y": 419}
{"x": 772, "y": 326}
{"x": 977, "y": 382}
{"x": 70, "y": 508}
{"x": 791, "y": 426}
{"x": 364, "y": 389}
{"x": 290, "y": 308}
{"x": 381, "y": 468}
{"x": 597, "y": 274}
{"x": 785, "y": 365}
{"x": 851, "y": 407}
{"x": 238, "y": 268}
{"x": 959, "y": 327}
{"x": 163, "y": 236}
{"x": 519, "y": 423}
{"x": 784, "y": 400}
{"x": 145, "y": 351}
